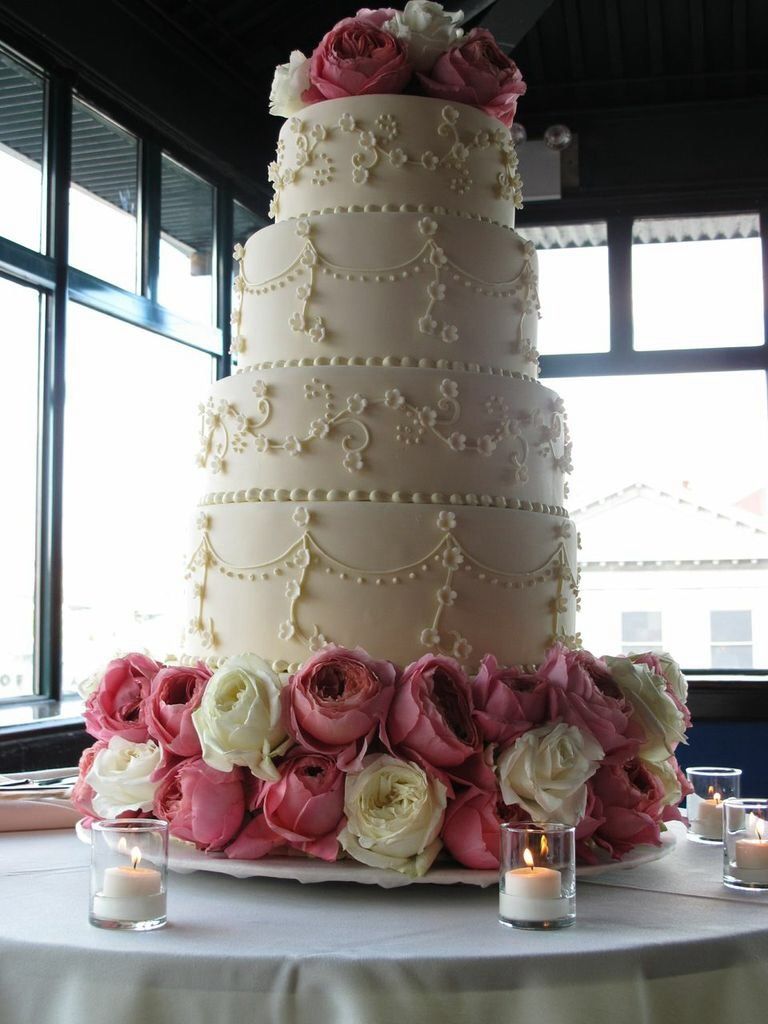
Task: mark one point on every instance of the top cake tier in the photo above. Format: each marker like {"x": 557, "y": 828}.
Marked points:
{"x": 395, "y": 154}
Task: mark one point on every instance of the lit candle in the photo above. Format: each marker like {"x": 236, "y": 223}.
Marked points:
{"x": 130, "y": 893}
{"x": 532, "y": 893}
{"x": 707, "y": 817}
{"x": 752, "y": 854}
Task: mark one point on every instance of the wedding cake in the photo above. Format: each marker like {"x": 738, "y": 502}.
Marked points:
{"x": 384, "y": 468}
{"x": 381, "y": 661}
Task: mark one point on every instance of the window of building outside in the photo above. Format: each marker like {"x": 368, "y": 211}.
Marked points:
{"x": 641, "y": 631}
{"x": 22, "y": 115}
{"x": 670, "y": 483}
{"x": 731, "y": 639}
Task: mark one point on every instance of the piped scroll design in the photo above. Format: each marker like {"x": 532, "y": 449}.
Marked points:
{"x": 430, "y": 261}
{"x": 225, "y": 428}
{"x": 446, "y": 563}
{"x": 376, "y": 145}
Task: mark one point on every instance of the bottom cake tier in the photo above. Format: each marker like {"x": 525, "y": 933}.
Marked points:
{"x": 282, "y": 578}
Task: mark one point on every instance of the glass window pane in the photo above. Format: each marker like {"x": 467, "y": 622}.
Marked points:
{"x": 730, "y": 626}
{"x": 724, "y": 656}
{"x": 697, "y": 282}
{"x": 641, "y": 627}
{"x": 670, "y": 495}
{"x": 186, "y": 243}
{"x": 244, "y": 222}
{"x": 102, "y": 198}
{"x": 130, "y": 429}
{"x": 573, "y": 288}
{"x": 22, "y": 95}
{"x": 19, "y": 342}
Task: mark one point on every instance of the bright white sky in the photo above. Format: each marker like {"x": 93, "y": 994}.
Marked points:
{"x": 131, "y": 415}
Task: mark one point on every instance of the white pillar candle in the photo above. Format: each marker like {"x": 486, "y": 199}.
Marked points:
{"x": 532, "y": 894}
{"x": 130, "y": 893}
{"x": 752, "y": 852}
{"x": 706, "y": 818}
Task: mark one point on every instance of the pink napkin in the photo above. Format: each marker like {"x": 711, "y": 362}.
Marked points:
{"x": 23, "y": 814}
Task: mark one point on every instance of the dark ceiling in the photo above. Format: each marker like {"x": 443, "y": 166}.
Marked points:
{"x": 662, "y": 94}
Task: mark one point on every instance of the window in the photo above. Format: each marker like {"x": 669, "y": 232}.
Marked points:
{"x": 19, "y": 350}
{"x": 670, "y": 436}
{"x": 103, "y": 363}
{"x": 22, "y": 98}
{"x": 640, "y": 631}
{"x": 731, "y": 636}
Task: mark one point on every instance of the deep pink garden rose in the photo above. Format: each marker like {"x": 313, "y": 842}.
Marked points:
{"x": 430, "y": 719}
{"x": 375, "y": 16}
{"x": 508, "y": 701}
{"x": 118, "y": 706}
{"x": 202, "y": 805}
{"x": 357, "y": 58}
{"x": 630, "y": 802}
{"x": 176, "y": 692}
{"x": 336, "y": 701}
{"x": 477, "y": 72}
{"x": 256, "y": 840}
{"x": 306, "y": 805}
{"x": 82, "y": 794}
{"x": 471, "y": 829}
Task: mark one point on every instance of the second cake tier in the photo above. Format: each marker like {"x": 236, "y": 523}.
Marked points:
{"x": 385, "y": 434}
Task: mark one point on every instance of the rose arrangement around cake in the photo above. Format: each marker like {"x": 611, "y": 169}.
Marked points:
{"x": 352, "y": 757}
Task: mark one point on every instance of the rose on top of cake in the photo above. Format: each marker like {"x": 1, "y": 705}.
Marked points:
{"x": 420, "y": 51}
{"x": 352, "y": 756}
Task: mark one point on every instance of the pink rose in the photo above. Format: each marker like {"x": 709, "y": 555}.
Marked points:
{"x": 357, "y": 58}
{"x": 471, "y": 830}
{"x": 508, "y": 702}
{"x": 202, "y": 805}
{"x": 176, "y": 692}
{"x": 630, "y": 800}
{"x": 478, "y": 73}
{"x": 306, "y": 805}
{"x": 117, "y": 707}
{"x": 375, "y": 16}
{"x": 430, "y": 719}
{"x": 335, "y": 702}
{"x": 256, "y": 840}
{"x": 83, "y": 794}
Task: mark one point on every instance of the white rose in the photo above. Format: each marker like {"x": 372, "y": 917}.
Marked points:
{"x": 394, "y": 816}
{"x": 238, "y": 720}
{"x": 660, "y": 717}
{"x": 427, "y": 31}
{"x": 668, "y": 777}
{"x": 677, "y": 682}
{"x": 545, "y": 771}
{"x": 121, "y": 777}
{"x": 289, "y": 83}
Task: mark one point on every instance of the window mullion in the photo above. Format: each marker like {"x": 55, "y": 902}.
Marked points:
{"x": 222, "y": 267}
{"x": 150, "y": 175}
{"x": 620, "y": 287}
{"x": 48, "y": 567}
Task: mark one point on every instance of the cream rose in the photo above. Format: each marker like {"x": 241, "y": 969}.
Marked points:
{"x": 677, "y": 682}
{"x": 662, "y": 721}
{"x": 669, "y": 779}
{"x": 290, "y": 81}
{"x": 545, "y": 771}
{"x": 239, "y": 720}
{"x": 394, "y": 815}
{"x": 427, "y": 31}
{"x": 121, "y": 777}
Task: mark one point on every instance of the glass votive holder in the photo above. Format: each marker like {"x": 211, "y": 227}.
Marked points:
{"x": 745, "y": 844}
{"x": 711, "y": 788}
{"x": 129, "y": 866}
{"x": 537, "y": 881}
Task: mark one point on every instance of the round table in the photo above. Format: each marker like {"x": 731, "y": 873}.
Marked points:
{"x": 662, "y": 942}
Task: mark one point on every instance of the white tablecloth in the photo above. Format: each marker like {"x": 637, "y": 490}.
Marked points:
{"x": 662, "y": 943}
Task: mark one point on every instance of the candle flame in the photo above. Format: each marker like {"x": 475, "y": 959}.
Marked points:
{"x": 135, "y": 857}
{"x": 528, "y": 858}
{"x": 710, "y": 791}
{"x": 544, "y": 846}
{"x": 122, "y": 845}
{"x": 718, "y": 798}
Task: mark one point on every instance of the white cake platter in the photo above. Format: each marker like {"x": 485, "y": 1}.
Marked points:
{"x": 184, "y": 858}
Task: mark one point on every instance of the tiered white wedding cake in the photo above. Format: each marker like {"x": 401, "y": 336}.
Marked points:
{"x": 384, "y": 469}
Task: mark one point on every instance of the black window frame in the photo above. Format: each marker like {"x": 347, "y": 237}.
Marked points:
{"x": 48, "y": 272}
